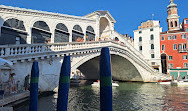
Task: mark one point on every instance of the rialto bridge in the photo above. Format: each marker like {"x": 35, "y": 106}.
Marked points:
{"x": 30, "y": 35}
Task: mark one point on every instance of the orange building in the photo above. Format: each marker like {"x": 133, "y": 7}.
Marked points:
{"x": 173, "y": 44}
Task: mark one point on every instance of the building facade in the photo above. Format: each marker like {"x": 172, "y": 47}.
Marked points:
{"x": 173, "y": 44}
{"x": 147, "y": 42}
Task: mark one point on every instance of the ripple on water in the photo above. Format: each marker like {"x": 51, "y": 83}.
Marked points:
{"x": 127, "y": 97}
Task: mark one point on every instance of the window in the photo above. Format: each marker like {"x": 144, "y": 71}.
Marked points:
{"x": 170, "y": 58}
{"x": 163, "y": 47}
{"x": 152, "y": 55}
{"x": 186, "y": 22}
{"x": 185, "y": 65}
{"x": 151, "y": 29}
{"x": 169, "y": 38}
{"x": 170, "y": 66}
{"x": 183, "y": 36}
{"x": 153, "y": 63}
{"x": 17, "y": 40}
{"x": 184, "y": 46}
{"x": 140, "y": 32}
{"x": 152, "y": 37}
{"x": 179, "y": 47}
{"x": 140, "y": 39}
{"x": 176, "y": 23}
{"x": 184, "y": 57}
{"x": 171, "y": 24}
{"x": 140, "y": 48}
{"x": 162, "y": 37}
{"x": 174, "y": 37}
{"x": 152, "y": 46}
{"x": 175, "y": 46}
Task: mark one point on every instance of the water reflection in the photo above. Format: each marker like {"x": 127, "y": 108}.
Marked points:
{"x": 128, "y": 96}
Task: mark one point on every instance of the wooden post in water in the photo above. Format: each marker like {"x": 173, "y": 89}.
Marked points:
{"x": 64, "y": 84}
{"x": 34, "y": 87}
{"x": 105, "y": 81}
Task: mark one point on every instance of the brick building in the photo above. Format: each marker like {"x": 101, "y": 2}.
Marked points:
{"x": 173, "y": 44}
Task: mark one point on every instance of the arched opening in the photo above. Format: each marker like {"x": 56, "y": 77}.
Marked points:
{"x": 152, "y": 37}
{"x": 13, "y": 32}
{"x": 171, "y": 24}
{"x": 116, "y": 39}
{"x": 104, "y": 28}
{"x": 41, "y": 33}
{"x": 140, "y": 39}
{"x": 176, "y": 24}
{"x": 152, "y": 46}
{"x": 61, "y": 33}
{"x": 122, "y": 69}
{"x": 164, "y": 63}
{"x": 90, "y": 34}
{"x": 77, "y": 34}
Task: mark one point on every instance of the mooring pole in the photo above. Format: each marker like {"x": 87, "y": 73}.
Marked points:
{"x": 105, "y": 81}
{"x": 64, "y": 84}
{"x": 34, "y": 87}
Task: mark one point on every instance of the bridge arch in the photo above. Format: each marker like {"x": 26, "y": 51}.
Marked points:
{"x": 104, "y": 28}
{"x": 61, "y": 33}
{"x": 90, "y": 34}
{"x": 13, "y": 31}
{"x": 40, "y": 32}
{"x": 130, "y": 71}
{"x": 77, "y": 34}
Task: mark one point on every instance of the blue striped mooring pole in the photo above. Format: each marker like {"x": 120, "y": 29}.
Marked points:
{"x": 34, "y": 87}
{"x": 64, "y": 84}
{"x": 105, "y": 81}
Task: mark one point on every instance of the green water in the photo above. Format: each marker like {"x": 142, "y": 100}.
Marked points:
{"x": 127, "y": 97}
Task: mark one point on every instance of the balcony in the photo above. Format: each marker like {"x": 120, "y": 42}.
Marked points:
{"x": 183, "y": 50}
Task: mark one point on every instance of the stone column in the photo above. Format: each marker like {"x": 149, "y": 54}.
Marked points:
{"x": 29, "y": 35}
{"x": 53, "y": 36}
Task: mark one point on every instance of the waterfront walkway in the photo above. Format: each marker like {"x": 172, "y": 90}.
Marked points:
{"x": 13, "y": 98}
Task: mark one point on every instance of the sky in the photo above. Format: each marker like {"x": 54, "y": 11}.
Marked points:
{"x": 128, "y": 13}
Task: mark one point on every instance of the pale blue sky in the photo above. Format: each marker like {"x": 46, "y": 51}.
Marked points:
{"x": 128, "y": 13}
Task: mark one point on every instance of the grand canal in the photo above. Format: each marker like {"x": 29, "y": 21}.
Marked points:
{"x": 127, "y": 97}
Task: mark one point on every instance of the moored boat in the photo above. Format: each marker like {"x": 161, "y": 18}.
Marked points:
{"x": 97, "y": 84}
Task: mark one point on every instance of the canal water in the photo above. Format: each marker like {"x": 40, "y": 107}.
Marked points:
{"x": 127, "y": 97}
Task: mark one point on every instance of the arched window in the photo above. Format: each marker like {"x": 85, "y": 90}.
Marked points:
{"x": 140, "y": 39}
{"x": 41, "y": 33}
{"x": 176, "y": 24}
{"x": 13, "y": 32}
{"x": 61, "y": 33}
{"x": 152, "y": 37}
{"x": 171, "y": 24}
{"x": 90, "y": 34}
{"x": 152, "y": 46}
{"x": 140, "y": 48}
{"x": 77, "y": 34}
{"x": 116, "y": 39}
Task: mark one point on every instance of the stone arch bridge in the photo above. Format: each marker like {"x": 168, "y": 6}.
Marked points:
{"x": 127, "y": 64}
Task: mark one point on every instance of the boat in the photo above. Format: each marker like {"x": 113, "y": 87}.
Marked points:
{"x": 183, "y": 83}
{"x": 164, "y": 82}
{"x": 97, "y": 84}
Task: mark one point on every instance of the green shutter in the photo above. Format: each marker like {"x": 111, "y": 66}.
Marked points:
{"x": 175, "y": 74}
{"x": 183, "y": 74}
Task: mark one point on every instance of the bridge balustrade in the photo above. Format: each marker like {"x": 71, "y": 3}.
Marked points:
{"x": 14, "y": 50}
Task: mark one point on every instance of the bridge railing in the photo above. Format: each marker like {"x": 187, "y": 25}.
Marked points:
{"x": 25, "y": 49}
